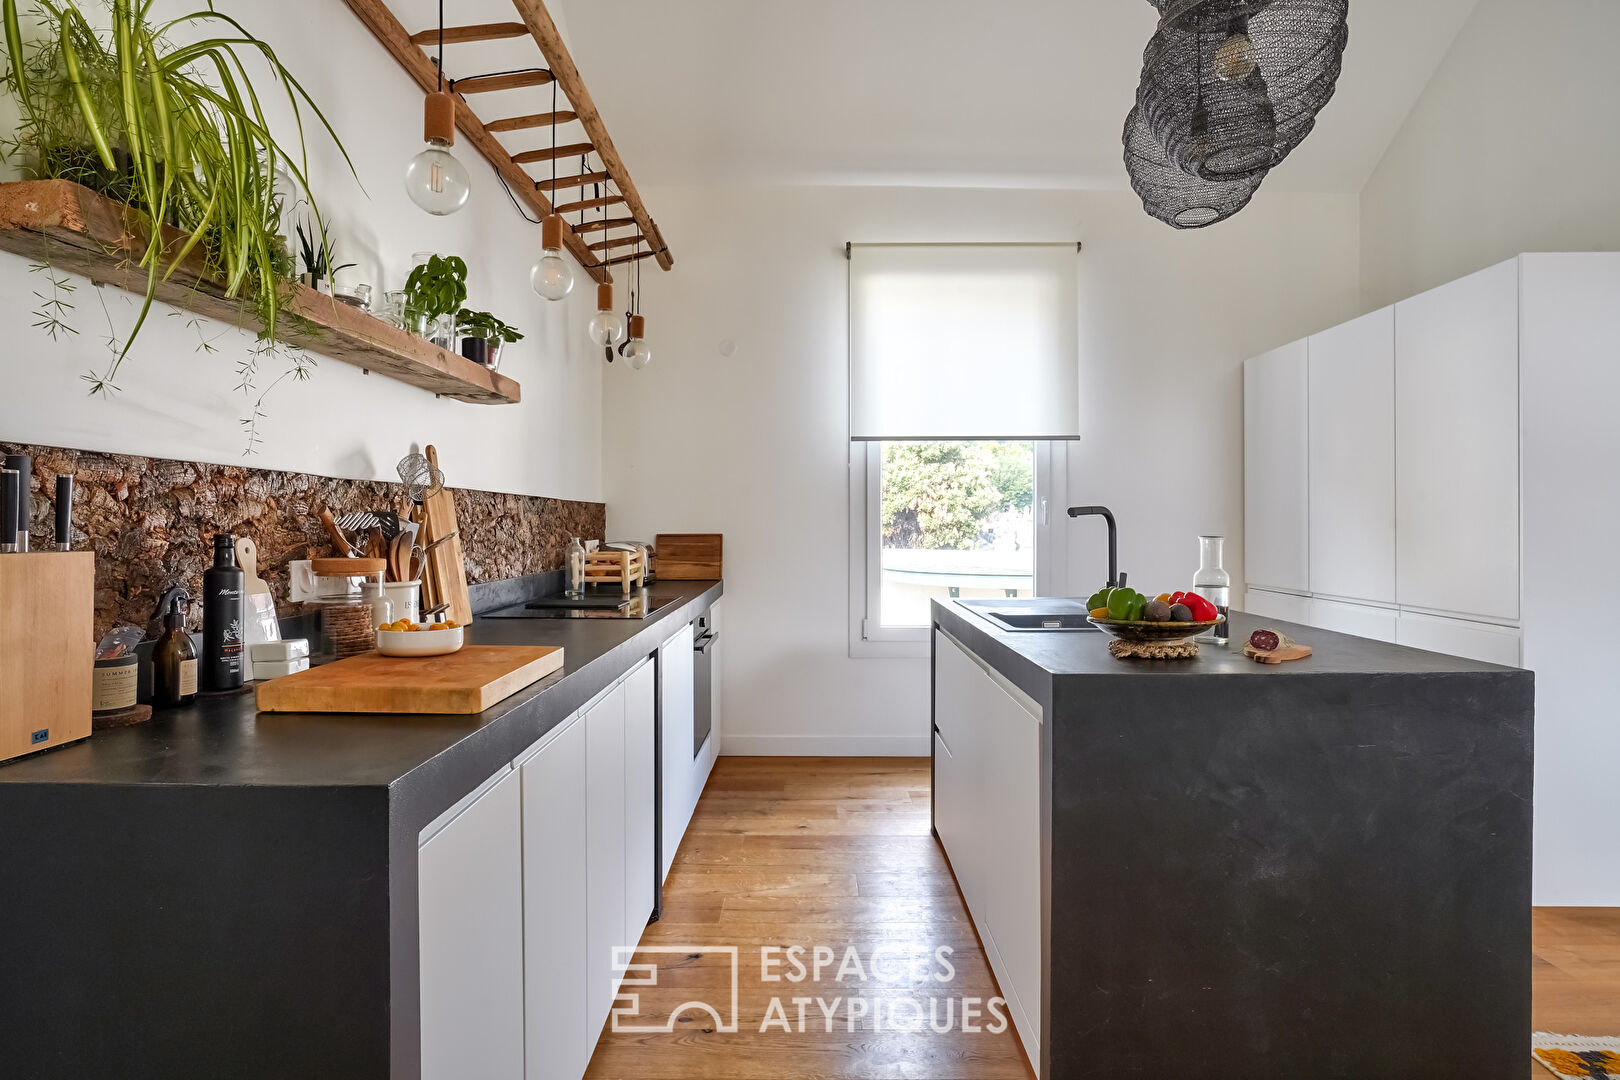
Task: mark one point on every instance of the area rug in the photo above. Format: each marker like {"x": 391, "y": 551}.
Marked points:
{"x": 1577, "y": 1057}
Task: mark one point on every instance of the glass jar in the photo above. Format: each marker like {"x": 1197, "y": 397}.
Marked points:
{"x": 1214, "y": 584}
{"x": 343, "y": 613}
{"x": 575, "y": 567}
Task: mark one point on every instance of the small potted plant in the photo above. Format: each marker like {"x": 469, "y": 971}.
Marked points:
{"x": 483, "y": 336}
{"x": 315, "y": 257}
{"x": 434, "y": 292}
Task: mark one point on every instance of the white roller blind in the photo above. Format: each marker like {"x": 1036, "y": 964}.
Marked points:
{"x": 964, "y": 341}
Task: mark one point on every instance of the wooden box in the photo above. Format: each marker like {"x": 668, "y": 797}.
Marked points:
{"x": 687, "y": 556}
{"x": 47, "y": 649}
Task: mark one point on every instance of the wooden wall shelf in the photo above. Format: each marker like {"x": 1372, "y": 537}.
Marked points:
{"x": 73, "y": 228}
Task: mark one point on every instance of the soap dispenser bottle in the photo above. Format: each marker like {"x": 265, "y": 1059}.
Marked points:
{"x": 223, "y": 666}
{"x": 174, "y": 657}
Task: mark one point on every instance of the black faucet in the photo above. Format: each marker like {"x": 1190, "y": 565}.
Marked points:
{"x": 1115, "y": 578}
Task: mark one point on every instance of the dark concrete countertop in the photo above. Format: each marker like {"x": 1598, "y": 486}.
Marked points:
{"x": 1033, "y": 658}
{"x": 226, "y": 742}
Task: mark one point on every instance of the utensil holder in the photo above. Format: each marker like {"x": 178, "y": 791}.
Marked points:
{"x": 47, "y": 649}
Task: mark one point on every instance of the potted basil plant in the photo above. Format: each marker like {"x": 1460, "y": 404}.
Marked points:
{"x": 435, "y": 291}
{"x": 483, "y": 336}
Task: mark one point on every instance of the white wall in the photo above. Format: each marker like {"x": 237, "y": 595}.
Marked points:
{"x": 1511, "y": 148}
{"x": 177, "y": 403}
{"x": 755, "y": 445}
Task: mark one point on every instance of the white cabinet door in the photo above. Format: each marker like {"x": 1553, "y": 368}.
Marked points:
{"x": 640, "y": 800}
{"x": 959, "y": 811}
{"x": 1352, "y": 476}
{"x": 1457, "y": 446}
{"x": 1358, "y": 619}
{"x": 1276, "y": 453}
{"x": 470, "y": 881}
{"x": 675, "y": 709}
{"x": 1459, "y": 637}
{"x": 1010, "y": 811}
{"x": 954, "y": 704}
{"x": 560, "y": 1037}
{"x": 604, "y": 852}
{"x": 1274, "y": 605}
{"x": 954, "y": 811}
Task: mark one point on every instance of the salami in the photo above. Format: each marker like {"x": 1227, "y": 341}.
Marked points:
{"x": 1265, "y": 640}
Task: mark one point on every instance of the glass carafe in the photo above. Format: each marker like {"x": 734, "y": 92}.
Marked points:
{"x": 575, "y": 569}
{"x": 1213, "y": 583}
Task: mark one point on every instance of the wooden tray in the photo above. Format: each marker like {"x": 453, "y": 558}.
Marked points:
{"x": 464, "y": 682}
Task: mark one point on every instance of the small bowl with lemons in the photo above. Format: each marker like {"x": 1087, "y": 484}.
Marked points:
{"x": 406, "y": 638}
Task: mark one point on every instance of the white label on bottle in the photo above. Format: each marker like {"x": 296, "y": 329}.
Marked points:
{"x": 188, "y": 678}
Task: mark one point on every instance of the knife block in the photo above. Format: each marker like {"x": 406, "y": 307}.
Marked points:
{"x": 47, "y": 649}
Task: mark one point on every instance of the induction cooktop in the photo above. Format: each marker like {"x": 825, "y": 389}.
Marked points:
{"x": 604, "y": 605}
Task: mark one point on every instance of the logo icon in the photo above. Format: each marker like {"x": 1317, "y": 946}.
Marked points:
{"x": 627, "y": 1006}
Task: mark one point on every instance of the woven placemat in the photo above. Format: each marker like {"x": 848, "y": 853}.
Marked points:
{"x": 1576, "y": 1057}
{"x": 1153, "y": 650}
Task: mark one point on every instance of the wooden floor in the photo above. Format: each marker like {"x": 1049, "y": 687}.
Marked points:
{"x": 836, "y": 852}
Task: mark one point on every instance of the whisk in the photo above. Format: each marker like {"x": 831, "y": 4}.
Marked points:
{"x": 421, "y": 479}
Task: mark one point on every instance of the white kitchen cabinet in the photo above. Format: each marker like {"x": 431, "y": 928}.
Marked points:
{"x": 681, "y": 788}
{"x": 1457, "y": 446}
{"x": 559, "y": 1036}
{"x": 1275, "y": 605}
{"x": 987, "y": 784}
{"x": 1486, "y": 642}
{"x": 470, "y": 919}
{"x": 1361, "y": 620}
{"x": 1352, "y": 460}
{"x": 604, "y": 852}
{"x": 640, "y": 800}
{"x": 1276, "y": 455}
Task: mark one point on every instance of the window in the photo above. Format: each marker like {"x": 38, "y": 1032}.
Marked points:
{"x": 963, "y": 376}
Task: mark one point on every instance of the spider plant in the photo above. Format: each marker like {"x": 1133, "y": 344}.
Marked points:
{"x": 176, "y": 131}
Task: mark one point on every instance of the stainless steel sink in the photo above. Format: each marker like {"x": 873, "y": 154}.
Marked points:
{"x": 1033, "y": 613}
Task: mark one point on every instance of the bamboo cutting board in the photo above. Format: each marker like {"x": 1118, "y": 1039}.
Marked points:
{"x": 464, "y": 682}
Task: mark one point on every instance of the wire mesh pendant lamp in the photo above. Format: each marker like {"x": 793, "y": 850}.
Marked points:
{"x": 1229, "y": 88}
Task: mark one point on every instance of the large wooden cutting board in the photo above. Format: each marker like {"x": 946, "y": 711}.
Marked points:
{"x": 466, "y": 682}
{"x": 688, "y": 556}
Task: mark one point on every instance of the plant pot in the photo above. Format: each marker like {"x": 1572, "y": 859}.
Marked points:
{"x": 476, "y": 349}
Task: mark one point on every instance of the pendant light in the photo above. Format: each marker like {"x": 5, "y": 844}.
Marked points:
{"x": 434, "y": 179}
{"x": 552, "y": 278}
{"x": 607, "y": 327}
{"x": 636, "y": 352}
{"x": 1177, "y": 198}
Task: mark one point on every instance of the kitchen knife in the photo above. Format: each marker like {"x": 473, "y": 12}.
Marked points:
{"x": 9, "y": 484}
{"x": 64, "y": 513}
{"x": 24, "y": 467}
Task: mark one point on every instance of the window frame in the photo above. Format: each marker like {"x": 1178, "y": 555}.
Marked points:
{"x": 868, "y": 637}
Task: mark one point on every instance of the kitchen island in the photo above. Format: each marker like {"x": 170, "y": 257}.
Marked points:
{"x": 222, "y": 892}
{"x": 1217, "y": 868}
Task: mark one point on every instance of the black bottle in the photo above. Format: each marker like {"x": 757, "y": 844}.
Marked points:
{"x": 174, "y": 657}
{"x": 222, "y": 659}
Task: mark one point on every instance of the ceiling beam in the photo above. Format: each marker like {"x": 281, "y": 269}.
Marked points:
{"x": 528, "y": 157}
{"x": 544, "y": 30}
{"x": 458, "y": 35}
{"x": 392, "y": 36}
{"x": 533, "y": 120}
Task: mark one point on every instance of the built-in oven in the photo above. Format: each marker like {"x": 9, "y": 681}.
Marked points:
{"x": 703, "y": 638}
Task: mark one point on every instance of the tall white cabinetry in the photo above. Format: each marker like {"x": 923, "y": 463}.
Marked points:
{"x": 987, "y": 785}
{"x": 681, "y": 787}
{"x": 1275, "y": 455}
{"x": 1499, "y": 439}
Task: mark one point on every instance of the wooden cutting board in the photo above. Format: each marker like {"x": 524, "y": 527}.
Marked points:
{"x": 687, "y": 556}
{"x": 447, "y": 568}
{"x": 464, "y": 682}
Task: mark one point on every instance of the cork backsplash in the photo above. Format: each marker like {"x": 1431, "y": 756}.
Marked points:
{"x": 150, "y": 522}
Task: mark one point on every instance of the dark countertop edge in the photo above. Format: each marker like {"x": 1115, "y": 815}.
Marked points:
{"x": 1009, "y": 652}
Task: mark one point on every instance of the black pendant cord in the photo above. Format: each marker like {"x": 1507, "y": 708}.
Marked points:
{"x": 441, "y": 46}
{"x": 553, "y": 146}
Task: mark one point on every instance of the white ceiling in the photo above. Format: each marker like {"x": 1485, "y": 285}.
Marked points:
{"x": 1016, "y": 93}
{"x": 1004, "y": 93}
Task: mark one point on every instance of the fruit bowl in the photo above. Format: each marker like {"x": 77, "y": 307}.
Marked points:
{"x": 1154, "y": 631}
{"x": 420, "y": 642}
